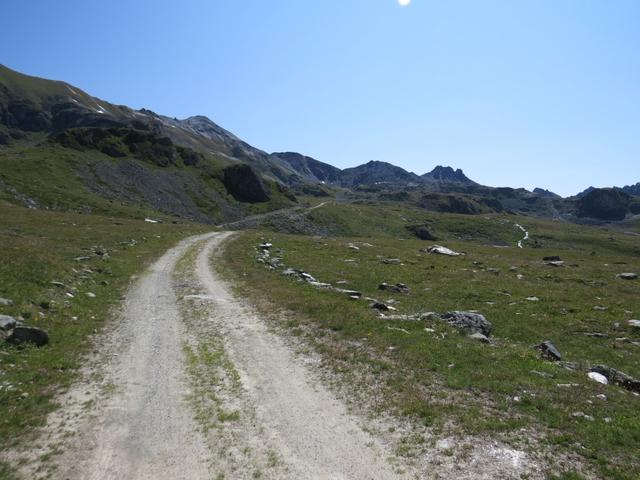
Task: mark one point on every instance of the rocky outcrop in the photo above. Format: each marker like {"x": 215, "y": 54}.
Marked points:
{"x": 604, "y": 204}
{"x": 468, "y": 322}
{"x": 244, "y": 184}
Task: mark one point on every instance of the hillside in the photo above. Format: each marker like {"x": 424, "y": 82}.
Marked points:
{"x": 112, "y": 157}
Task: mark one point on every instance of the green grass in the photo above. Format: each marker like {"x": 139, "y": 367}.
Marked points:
{"x": 444, "y": 376}
{"x": 39, "y": 247}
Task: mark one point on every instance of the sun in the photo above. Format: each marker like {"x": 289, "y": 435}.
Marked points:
{"x": 404, "y": 3}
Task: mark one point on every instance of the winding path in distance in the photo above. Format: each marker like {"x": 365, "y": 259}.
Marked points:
{"x": 526, "y": 235}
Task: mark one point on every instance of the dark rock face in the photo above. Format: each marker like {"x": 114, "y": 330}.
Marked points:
{"x": 604, "y": 204}
{"x": 244, "y": 184}
{"x": 22, "y": 335}
{"x": 469, "y": 322}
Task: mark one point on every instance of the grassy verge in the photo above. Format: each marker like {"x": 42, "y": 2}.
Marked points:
{"x": 449, "y": 381}
{"x": 93, "y": 257}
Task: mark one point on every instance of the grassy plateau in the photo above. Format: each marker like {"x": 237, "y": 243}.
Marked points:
{"x": 446, "y": 380}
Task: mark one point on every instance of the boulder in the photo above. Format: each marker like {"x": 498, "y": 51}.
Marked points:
{"x": 549, "y": 351}
{"x": 470, "y": 322}
{"x": 440, "y": 250}
{"x": 5, "y": 302}
{"x": 23, "y": 335}
{"x": 616, "y": 377}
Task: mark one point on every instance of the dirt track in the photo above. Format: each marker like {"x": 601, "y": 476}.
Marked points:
{"x": 145, "y": 429}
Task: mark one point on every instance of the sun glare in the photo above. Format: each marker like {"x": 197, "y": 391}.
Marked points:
{"x": 404, "y": 3}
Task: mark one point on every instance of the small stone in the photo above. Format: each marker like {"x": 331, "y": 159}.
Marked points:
{"x": 533, "y": 299}
{"x": 601, "y": 396}
{"x": 397, "y": 288}
{"x": 265, "y": 246}
{"x": 627, "y": 276}
{"x": 91, "y": 295}
{"x": 480, "y": 337}
{"x": 634, "y": 323}
{"x": 557, "y": 263}
{"x": 7, "y": 322}
{"x": 600, "y": 308}
{"x": 495, "y": 271}
{"x": 392, "y": 261}
{"x": 383, "y": 307}
{"x": 307, "y": 277}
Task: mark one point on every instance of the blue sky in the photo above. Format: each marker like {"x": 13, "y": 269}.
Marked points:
{"x": 515, "y": 92}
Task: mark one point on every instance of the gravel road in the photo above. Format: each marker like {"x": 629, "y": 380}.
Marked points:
{"x": 145, "y": 428}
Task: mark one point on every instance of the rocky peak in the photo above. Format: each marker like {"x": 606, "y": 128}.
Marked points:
{"x": 447, "y": 175}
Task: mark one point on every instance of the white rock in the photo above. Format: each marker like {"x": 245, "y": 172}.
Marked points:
{"x": 598, "y": 377}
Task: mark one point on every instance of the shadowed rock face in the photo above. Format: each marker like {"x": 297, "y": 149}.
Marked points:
{"x": 242, "y": 182}
{"x": 604, "y": 204}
